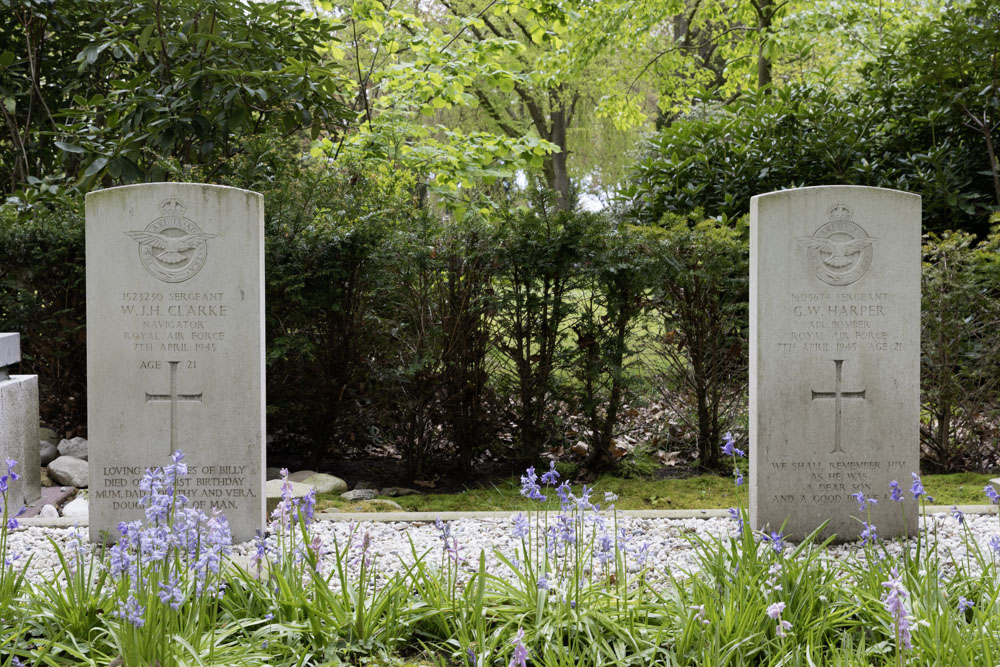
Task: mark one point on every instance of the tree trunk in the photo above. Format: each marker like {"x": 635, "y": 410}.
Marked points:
{"x": 765, "y": 15}
{"x": 555, "y": 167}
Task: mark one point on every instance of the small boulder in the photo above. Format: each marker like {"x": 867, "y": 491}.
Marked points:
{"x": 47, "y": 452}
{"x": 365, "y": 484}
{"x": 69, "y": 471}
{"x": 301, "y": 475}
{"x": 78, "y": 508}
{"x": 77, "y": 448}
{"x": 359, "y": 494}
{"x": 324, "y": 483}
{"x": 272, "y": 491}
{"x": 397, "y": 491}
{"x": 48, "y": 512}
{"x": 45, "y": 433}
{"x": 580, "y": 448}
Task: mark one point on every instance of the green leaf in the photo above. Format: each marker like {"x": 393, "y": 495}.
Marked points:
{"x": 9, "y": 104}
{"x": 69, "y": 148}
{"x": 6, "y": 58}
{"x": 95, "y": 166}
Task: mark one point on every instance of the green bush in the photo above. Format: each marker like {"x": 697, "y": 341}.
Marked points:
{"x": 42, "y": 287}
{"x": 700, "y": 365}
{"x": 960, "y": 351}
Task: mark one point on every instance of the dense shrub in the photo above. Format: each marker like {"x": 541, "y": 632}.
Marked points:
{"x": 42, "y": 286}
{"x": 960, "y": 352}
{"x": 699, "y": 360}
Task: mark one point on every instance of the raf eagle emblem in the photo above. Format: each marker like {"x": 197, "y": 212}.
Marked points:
{"x": 837, "y": 254}
{"x": 171, "y": 247}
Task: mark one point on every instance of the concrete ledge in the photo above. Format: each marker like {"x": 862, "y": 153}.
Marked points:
{"x": 431, "y": 517}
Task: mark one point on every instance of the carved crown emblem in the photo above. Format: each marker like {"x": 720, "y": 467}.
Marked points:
{"x": 840, "y": 212}
{"x": 172, "y": 208}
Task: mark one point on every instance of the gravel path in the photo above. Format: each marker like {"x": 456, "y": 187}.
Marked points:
{"x": 668, "y": 540}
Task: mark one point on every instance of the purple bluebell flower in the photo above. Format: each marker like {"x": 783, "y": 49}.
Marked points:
{"x": 605, "y": 549}
{"x": 863, "y": 502}
{"x": 730, "y": 448}
{"x": 917, "y": 489}
{"x": 444, "y": 531}
{"x": 11, "y": 464}
{"x": 737, "y": 517}
{"x": 894, "y": 602}
{"x": 896, "y": 495}
{"x": 12, "y": 524}
{"x": 777, "y": 541}
{"x": 521, "y": 527}
{"x": 567, "y": 528}
{"x": 529, "y": 485}
{"x": 543, "y": 584}
{"x": 774, "y": 611}
{"x": 520, "y": 657}
{"x": 610, "y": 497}
{"x": 739, "y": 476}
{"x": 641, "y": 554}
{"x": 566, "y": 498}
{"x": 454, "y": 549}
{"x": 868, "y": 534}
{"x": 992, "y": 494}
{"x": 583, "y": 502}
{"x": 995, "y": 544}
{"x": 551, "y": 478}
{"x": 171, "y": 593}
{"x": 700, "y": 615}
{"x": 3, "y": 484}
{"x": 964, "y": 604}
{"x": 132, "y": 611}
{"x": 958, "y": 514}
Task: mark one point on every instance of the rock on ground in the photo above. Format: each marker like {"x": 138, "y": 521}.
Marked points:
{"x": 78, "y": 508}
{"x": 70, "y": 471}
{"x": 47, "y": 452}
{"x": 77, "y": 448}
{"x": 324, "y": 483}
{"x": 359, "y": 494}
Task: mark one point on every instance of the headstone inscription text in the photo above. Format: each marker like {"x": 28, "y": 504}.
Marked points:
{"x": 175, "y": 348}
{"x": 834, "y": 357}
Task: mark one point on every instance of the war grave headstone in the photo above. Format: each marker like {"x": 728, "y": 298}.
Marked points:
{"x": 834, "y": 357}
{"x": 18, "y": 426}
{"x": 175, "y": 346}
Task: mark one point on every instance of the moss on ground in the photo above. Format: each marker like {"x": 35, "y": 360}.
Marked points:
{"x": 699, "y": 492}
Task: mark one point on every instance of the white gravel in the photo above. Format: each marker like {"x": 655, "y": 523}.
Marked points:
{"x": 393, "y": 544}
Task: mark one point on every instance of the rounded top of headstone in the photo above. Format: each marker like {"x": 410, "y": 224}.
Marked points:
{"x": 166, "y": 186}
{"x": 839, "y": 190}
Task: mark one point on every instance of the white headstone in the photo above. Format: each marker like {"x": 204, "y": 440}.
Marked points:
{"x": 19, "y": 426}
{"x": 175, "y": 345}
{"x": 834, "y": 358}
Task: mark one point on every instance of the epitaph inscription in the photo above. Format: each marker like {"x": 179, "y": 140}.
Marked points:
{"x": 175, "y": 348}
{"x": 834, "y": 357}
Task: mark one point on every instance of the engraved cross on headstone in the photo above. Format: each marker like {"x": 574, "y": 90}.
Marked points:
{"x": 837, "y": 394}
{"x": 174, "y": 398}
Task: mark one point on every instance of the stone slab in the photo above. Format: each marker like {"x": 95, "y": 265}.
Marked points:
{"x": 834, "y": 357}
{"x": 10, "y": 349}
{"x": 51, "y": 495}
{"x": 19, "y": 437}
{"x": 175, "y": 343}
